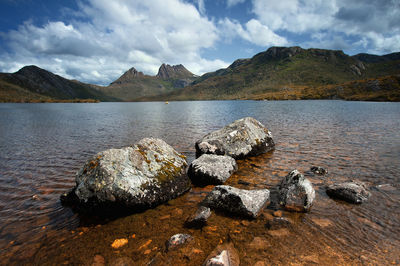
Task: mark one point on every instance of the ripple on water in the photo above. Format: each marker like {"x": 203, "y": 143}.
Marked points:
{"x": 43, "y": 145}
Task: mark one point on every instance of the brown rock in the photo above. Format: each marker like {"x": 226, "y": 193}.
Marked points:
{"x": 147, "y": 251}
{"x": 259, "y": 243}
{"x": 165, "y": 217}
{"x": 260, "y": 263}
{"x": 98, "y": 260}
{"x": 279, "y": 233}
{"x": 119, "y": 243}
{"x": 277, "y": 213}
{"x": 177, "y": 212}
{"x": 148, "y": 242}
{"x": 123, "y": 261}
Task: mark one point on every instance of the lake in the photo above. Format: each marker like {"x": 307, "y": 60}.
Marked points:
{"x": 42, "y": 146}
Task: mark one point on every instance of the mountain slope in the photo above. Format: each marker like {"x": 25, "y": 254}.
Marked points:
{"x": 133, "y": 84}
{"x": 39, "y": 84}
{"x": 282, "y": 68}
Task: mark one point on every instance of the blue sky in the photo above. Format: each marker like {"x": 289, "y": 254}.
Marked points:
{"x": 95, "y": 41}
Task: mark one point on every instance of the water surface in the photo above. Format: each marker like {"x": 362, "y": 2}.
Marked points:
{"x": 43, "y": 145}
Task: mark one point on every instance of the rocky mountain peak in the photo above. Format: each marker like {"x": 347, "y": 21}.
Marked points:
{"x": 173, "y": 72}
{"x": 128, "y": 76}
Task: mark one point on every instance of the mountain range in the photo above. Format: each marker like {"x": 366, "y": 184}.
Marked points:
{"x": 277, "y": 73}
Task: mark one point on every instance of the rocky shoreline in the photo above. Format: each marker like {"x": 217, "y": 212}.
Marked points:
{"x": 151, "y": 173}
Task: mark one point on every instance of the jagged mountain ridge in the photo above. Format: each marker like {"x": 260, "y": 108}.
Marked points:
{"x": 282, "y": 68}
{"x": 134, "y": 84}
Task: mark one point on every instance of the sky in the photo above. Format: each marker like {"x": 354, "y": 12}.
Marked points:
{"x": 95, "y": 41}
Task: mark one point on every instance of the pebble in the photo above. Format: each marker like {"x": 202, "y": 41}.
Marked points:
{"x": 98, "y": 260}
{"x": 277, "y": 213}
{"x": 119, "y": 243}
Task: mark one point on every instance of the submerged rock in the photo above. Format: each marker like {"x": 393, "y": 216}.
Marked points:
{"x": 177, "y": 240}
{"x": 353, "y": 192}
{"x": 239, "y": 202}
{"x": 296, "y": 192}
{"x": 319, "y": 170}
{"x": 277, "y": 223}
{"x": 199, "y": 218}
{"x": 210, "y": 169}
{"x": 244, "y": 137}
{"x": 131, "y": 178}
{"x": 223, "y": 255}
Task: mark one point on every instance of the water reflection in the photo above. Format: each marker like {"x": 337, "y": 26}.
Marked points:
{"x": 43, "y": 145}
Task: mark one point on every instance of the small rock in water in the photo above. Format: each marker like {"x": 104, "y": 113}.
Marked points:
{"x": 210, "y": 169}
{"x": 352, "y": 192}
{"x": 277, "y": 223}
{"x": 221, "y": 259}
{"x": 296, "y": 192}
{"x": 241, "y": 202}
{"x": 177, "y": 240}
{"x": 319, "y": 170}
{"x": 244, "y": 137}
{"x": 225, "y": 255}
{"x": 98, "y": 260}
{"x": 123, "y": 261}
{"x": 119, "y": 243}
{"x": 277, "y": 213}
{"x": 199, "y": 218}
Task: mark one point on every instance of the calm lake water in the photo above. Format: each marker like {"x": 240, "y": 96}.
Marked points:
{"x": 43, "y": 145}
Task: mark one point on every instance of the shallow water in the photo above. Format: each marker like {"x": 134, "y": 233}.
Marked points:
{"x": 43, "y": 145}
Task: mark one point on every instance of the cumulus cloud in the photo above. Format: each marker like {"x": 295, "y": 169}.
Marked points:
{"x": 109, "y": 37}
{"x": 253, "y": 31}
{"x": 371, "y": 24}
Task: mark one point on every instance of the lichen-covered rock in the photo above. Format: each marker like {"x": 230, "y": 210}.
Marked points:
{"x": 296, "y": 192}
{"x": 177, "y": 240}
{"x": 244, "y": 137}
{"x": 199, "y": 218}
{"x": 353, "y": 192}
{"x": 131, "y": 178}
{"x": 211, "y": 169}
{"x": 241, "y": 202}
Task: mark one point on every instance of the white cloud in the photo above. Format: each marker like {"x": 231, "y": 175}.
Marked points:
{"x": 231, "y": 3}
{"x": 339, "y": 24}
{"x": 253, "y": 31}
{"x": 109, "y": 37}
{"x": 295, "y": 15}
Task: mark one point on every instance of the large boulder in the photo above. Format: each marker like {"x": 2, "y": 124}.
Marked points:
{"x": 244, "y": 137}
{"x": 240, "y": 202}
{"x": 353, "y": 192}
{"x": 296, "y": 192}
{"x": 211, "y": 169}
{"x": 131, "y": 178}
